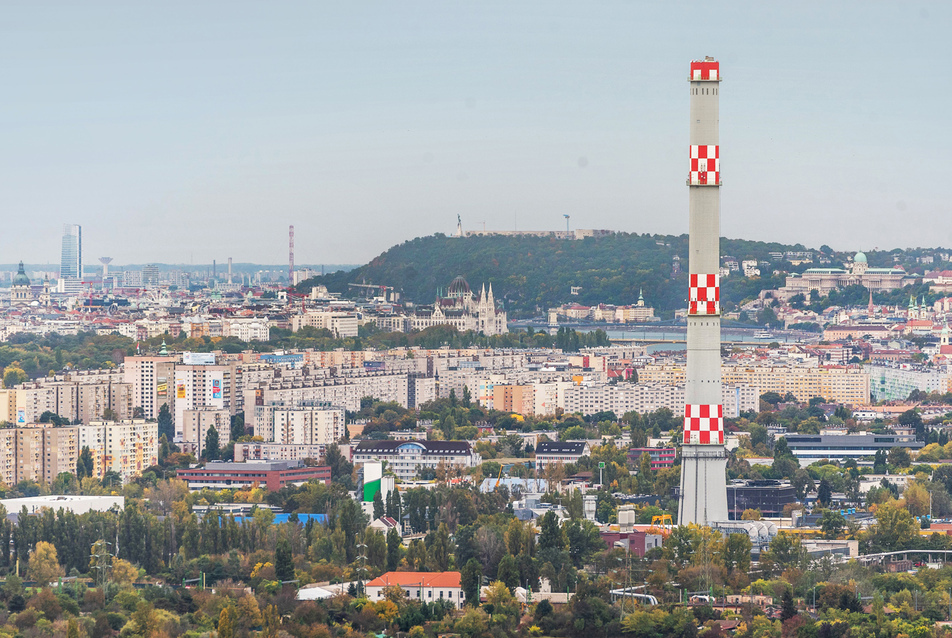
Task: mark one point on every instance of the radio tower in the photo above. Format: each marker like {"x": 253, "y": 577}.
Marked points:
{"x": 703, "y": 455}
{"x": 290, "y": 255}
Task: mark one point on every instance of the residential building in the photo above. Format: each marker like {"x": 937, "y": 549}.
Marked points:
{"x": 839, "y": 384}
{"x": 565, "y": 452}
{"x": 661, "y": 457}
{"x": 200, "y": 386}
{"x": 151, "y": 378}
{"x": 272, "y": 475}
{"x": 307, "y": 423}
{"x": 43, "y": 453}
{"x": 649, "y": 397}
{"x": 195, "y": 426}
{"x": 341, "y": 324}
{"x": 895, "y": 382}
{"x": 407, "y": 458}
{"x": 425, "y": 587}
{"x": 256, "y": 451}
{"x": 126, "y": 447}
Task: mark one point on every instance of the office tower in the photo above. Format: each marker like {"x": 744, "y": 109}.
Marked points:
{"x": 71, "y": 264}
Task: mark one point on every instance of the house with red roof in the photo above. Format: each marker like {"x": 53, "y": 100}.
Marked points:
{"x": 423, "y": 586}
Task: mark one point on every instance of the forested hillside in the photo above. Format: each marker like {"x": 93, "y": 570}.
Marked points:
{"x": 538, "y": 272}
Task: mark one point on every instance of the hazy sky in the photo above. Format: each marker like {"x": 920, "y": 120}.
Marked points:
{"x": 191, "y": 131}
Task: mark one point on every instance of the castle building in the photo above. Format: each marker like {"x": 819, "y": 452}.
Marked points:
{"x": 825, "y": 280}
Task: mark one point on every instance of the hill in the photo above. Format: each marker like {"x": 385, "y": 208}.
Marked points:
{"x": 534, "y": 273}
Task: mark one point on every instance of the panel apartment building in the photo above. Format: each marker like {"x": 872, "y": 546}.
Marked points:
{"x": 126, "y": 447}
{"x": 643, "y": 398}
{"x": 37, "y": 454}
{"x": 839, "y": 384}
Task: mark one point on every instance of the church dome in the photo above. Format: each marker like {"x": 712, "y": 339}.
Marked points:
{"x": 860, "y": 258}
{"x": 20, "y": 279}
{"x": 458, "y": 288}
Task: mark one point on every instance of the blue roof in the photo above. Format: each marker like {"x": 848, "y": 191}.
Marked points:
{"x": 283, "y": 518}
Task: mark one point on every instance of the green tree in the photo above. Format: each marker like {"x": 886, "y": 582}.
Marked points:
{"x": 895, "y": 528}
{"x": 212, "y": 450}
{"x": 84, "y": 464}
{"x": 378, "y": 505}
{"x": 508, "y": 572}
{"x": 393, "y": 549}
{"x": 165, "y": 424}
{"x": 832, "y": 523}
{"x": 283, "y": 561}
{"x": 824, "y": 493}
{"x": 471, "y": 580}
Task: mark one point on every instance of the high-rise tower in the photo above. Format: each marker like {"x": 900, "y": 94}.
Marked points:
{"x": 71, "y": 263}
{"x": 703, "y": 455}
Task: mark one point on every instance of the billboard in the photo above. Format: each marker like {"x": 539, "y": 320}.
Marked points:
{"x": 198, "y": 358}
{"x": 162, "y": 387}
{"x": 180, "y": 391}
{"x": 21, "y": 415}
{"x": 216, "y": 388}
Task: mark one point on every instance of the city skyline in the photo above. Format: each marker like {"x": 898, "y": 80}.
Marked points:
{"x": 179, "y": 137}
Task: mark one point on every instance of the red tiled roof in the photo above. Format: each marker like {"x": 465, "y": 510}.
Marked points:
{"x": 417, "y": 579}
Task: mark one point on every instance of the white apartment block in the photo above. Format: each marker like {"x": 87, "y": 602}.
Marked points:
{"x": 305, "y": 424}
{"x": 339, "y": 391}
{"x": 247, "y": 329}
{"x": 151, "y": 379}
{"x": 195, "y": 425}
{"x": 630, "y": 397}
{"x": 896, "y": 382}
{"x": 257, "y": 451}
{"x": 840, "y": 384}
{"x": 203, "y": 386}
{"x": 342, "y": 324}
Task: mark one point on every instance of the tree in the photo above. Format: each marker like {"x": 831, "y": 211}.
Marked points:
{"x": 13, "y": 375}
{"x": 899, "y": 457}
{"x": 470, "y": 581}
{"x": 550, "y": 535}
{"x": 212, "y": 451}
{"x": 84, "y": 464}
{"x": 283, "y": 561}
{"x": 378, "y": 505}
{"x": 393, "y": 549}
{"x": 895, "y": 528}
{"x": 832, "y": 523}
{"x": 508, "y": 572}
{"x": 737, "y": 552}
{"x": 787, "y": 607}
{"x": 44, "y": 564}
{"x": 824, "y": 493}
{"x": 165, "y": 424}
{"x": 226, "y": 625}
{"x": 124, "y": 573}
{"x": 237, "y": 426}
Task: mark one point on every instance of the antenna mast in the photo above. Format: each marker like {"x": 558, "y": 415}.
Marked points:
{"x": 291, "y": 255}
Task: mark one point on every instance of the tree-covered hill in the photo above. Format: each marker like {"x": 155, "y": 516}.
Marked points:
{"x": 531, "y": 273}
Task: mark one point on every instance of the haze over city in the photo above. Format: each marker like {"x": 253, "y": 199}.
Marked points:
{"x": 184, "y": 133}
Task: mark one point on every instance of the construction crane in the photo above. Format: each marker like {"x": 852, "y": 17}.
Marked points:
{"x": 383, "y": 289}
{"x": 498, "y": 478}
{"x": 662, "y": 525}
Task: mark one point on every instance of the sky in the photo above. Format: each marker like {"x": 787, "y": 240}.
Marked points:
{"x": 181, "y": 132}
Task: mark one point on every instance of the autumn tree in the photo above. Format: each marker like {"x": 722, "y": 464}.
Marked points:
{"x": 44, "y": 564}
